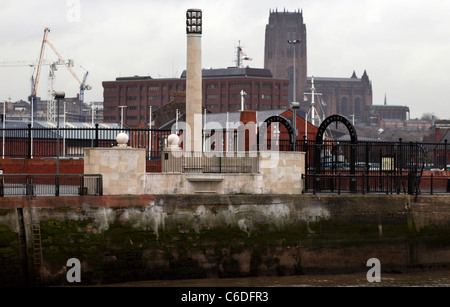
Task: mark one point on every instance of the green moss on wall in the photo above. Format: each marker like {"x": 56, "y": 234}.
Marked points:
{"x": 183, "y": 249}
{"x": 201, "y": 240}
{"x": 11, "y": 266}
{"x": 434, "y": 236}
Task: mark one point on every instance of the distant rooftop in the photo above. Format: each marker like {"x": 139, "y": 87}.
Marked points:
{"x": 233, "y": 72}
{"x": 134, "y": 78}
{"x": 443, "y": 124}
{"x": 388, "y": 105}
{"x": 213, "y": 73}
{"x": 332, "y": 79}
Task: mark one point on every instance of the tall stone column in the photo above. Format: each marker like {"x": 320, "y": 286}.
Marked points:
{"x": 194, "y": 80}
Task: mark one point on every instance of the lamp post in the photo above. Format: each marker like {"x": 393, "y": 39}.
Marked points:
{"x": 93, "y": 114}
{"x": 64, "y": 132}
{"x": 294, "y": 104}
{"x": 121, "y": 116}
{"x": 176, "y": 121}
{"x": 150, "y": 133}
{"x": 4, "y": 119}
{"x": 57, "y": 96}
{"x": 93, "y": 127}
{"x": 92, "y": 110}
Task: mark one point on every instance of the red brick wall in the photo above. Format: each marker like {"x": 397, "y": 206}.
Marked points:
{"x": 41, "y": 166}
{"x": 48, "y": 166}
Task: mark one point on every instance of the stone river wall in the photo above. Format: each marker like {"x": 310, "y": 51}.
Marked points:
{"x": 130, "y": 238}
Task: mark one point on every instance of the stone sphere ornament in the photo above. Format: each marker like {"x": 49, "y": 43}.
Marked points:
{"x": 122, "y": 139}
{"x": 173, "y": 140}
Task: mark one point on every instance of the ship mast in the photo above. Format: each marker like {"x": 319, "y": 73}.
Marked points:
{"x": 312, "y": 108}
{"x": 241, "y": 56}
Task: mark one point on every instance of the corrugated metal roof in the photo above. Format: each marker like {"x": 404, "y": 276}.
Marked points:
{"x": 46, "y": 124}
{"x": 48, "y": 130}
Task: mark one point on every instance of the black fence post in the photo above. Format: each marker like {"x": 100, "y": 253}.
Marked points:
{"x": 339, "y": 183}
{"x": 314, "y": 183}
{"x": 96, "y": 135}
{"x": 387, "y": 183}
{"x": 29, "y": 142}
{"x": 57, "y": 185}
{"x": 431, "y": 184}
{"x": 411, "y": 182}
{"x": 445, "y": 154}
{"x": 81, "y": 187}
{"x": 352, "y": 168}
{"x": 363, "y": 182}
{"x": 29, "y": 186}
{"x": 2, "y": 184}
{"x": 100, "y": 185}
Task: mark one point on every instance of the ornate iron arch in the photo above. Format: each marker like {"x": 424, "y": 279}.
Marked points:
{"x": 276, "y": 119}
{"x": 353, "y": 139}
{"x": 336, "y": 118}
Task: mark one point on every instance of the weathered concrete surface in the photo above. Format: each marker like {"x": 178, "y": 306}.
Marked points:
{"x": 279, "y": 173}
{"x": 200, "y": 236}
{"x": 122, "y": 169}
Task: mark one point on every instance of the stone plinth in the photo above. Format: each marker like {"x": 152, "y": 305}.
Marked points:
{"x": 122, "y": 169}
{"x": 279, "y": 173}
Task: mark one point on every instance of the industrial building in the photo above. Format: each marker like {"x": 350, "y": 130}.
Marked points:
{"x": 223, "y": 90}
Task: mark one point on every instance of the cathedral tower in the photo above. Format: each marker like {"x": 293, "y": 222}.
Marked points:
{"x": 279, "y": 54}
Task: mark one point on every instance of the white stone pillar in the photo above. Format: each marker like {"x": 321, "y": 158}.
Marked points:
{"x": 194, "y": 80}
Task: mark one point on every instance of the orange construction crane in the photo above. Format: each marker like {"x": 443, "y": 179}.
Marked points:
{"x": 83, "y": 85}
{"x": 38, "y": 72}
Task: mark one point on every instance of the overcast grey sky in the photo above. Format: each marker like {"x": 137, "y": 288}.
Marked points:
{"x": 404, "y": 45}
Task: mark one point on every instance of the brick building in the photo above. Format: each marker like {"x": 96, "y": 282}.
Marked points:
{"x": 345, "y": 96}
{"x": 391, "y": 112}
{"x": 439, "y": 132}
{"x": 221, "y": 93}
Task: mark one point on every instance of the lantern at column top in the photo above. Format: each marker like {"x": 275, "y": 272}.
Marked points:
{"x": 194, "y": 21}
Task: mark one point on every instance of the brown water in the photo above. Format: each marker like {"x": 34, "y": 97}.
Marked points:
{"x": 435, "y": 278}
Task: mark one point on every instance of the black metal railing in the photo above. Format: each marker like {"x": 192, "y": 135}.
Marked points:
{"x": 380, "y": 167}
{"x": 50, "y": 185}
{"x": 377, "y": 183}
{"x": 370, "y": 155}
{"x": 210, "y": 162}
{"x": 42, "y": 142}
